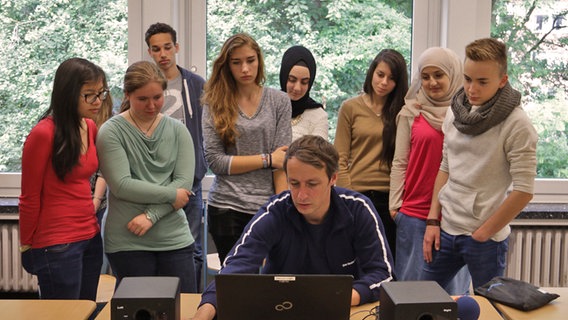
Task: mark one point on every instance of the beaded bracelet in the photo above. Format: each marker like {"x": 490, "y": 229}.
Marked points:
{"x": 264, "y": 158}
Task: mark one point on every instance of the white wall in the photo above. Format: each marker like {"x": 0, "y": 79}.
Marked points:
{"x": 448, "y": 23}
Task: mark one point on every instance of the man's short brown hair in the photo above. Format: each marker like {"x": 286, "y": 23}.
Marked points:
{"x": 488, "y": 49}
{"x": 315, "y": 151}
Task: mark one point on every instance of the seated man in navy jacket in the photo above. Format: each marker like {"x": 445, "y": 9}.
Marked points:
{"x": 314, "y": 228}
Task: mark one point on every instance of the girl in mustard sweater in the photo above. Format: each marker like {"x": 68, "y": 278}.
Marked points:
{"x": 366, "y": 130}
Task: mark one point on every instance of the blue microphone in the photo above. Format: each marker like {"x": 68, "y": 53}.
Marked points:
{"x": 468, "y": 308}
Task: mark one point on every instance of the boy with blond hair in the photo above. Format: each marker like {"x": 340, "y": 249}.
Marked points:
{"x": 489, "y": 144}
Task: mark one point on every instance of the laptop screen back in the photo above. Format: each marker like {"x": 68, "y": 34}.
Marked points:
{"x": 283, "y": 297}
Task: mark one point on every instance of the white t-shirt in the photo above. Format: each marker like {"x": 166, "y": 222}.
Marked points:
{"x": 173, "y": 101}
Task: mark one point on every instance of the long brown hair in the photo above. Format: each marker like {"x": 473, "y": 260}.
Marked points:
{"x": 395, "y": 99}
{"x": 220, "y": 92}
{"x": 70, "y": 77}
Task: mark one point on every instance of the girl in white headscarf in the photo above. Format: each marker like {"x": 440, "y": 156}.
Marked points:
{"x": 418, "y": 152}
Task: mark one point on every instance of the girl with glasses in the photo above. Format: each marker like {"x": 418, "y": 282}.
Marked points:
{"x": 59, "y": 233}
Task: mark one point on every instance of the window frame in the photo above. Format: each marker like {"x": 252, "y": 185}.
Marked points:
{"x": 448, "y": 23}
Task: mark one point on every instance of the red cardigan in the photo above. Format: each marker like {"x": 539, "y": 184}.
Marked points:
{"x": 53, "y": 211}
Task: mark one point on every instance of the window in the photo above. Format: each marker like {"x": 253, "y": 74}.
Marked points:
{"x": 344, "y": 37}
{"x": 537, "y": 68}
{"x": 540, "y": 20}
{"x": 38, "y": 36}
{"x": 435, "y": 22}
{"x": 559, "y": 22}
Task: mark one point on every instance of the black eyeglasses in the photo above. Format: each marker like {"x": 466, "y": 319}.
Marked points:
{"x": 92, "y": 97}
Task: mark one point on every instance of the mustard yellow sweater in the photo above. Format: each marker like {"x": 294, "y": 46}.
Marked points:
{"x": 359, "y": 140}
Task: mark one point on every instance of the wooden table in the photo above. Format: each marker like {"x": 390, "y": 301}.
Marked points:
{"x": 105, "y": 290}
{"x": 33, "y": 309}
{"x": 555, "y": 310}
{"x": 487, "y": 311}
{"x": 190, "y": 301}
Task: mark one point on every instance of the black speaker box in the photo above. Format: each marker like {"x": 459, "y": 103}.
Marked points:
{"x": 146, "y": 298}
{"x": 415, "y": 300}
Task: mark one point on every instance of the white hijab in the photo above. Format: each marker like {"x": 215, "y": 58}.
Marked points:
{"x": 433, "y": 111}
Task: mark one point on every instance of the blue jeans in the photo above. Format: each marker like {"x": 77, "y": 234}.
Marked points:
{"x": 485, "y": 260}
{"x": 100, "y": 214}
{"x": 69, "y": 270}
{"x": 410, "y": 259}
{"x": 194, "y": 213}
{"x": 173, "y": 263}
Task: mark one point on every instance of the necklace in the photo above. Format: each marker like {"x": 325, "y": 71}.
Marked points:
{"x": 372, "y": 106}
{"x": 138, "y": 126}
{"x": 296, "y": 120}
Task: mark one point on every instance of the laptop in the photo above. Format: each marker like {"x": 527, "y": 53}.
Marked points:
{"x": 283, "y": 297}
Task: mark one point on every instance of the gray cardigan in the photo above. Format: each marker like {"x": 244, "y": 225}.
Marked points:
{"x": 268, "y": 129}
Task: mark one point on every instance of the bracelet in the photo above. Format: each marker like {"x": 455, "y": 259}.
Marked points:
{"x": 270, "y": 160}
{"x": 264, "y": 158}
{"x": 433, "y": 222}
{"x": 148, "y": 217}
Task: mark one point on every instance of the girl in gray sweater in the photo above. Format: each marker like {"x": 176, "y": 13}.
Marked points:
{"x": 246, "y": 129}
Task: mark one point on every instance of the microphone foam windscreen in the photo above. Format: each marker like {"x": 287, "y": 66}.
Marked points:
{"x": 468, "y": 308}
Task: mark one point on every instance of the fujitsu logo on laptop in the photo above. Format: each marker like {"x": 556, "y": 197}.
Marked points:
{"x": 284, "y": 306}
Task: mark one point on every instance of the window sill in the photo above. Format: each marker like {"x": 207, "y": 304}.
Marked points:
{"x": 533, "y": 211}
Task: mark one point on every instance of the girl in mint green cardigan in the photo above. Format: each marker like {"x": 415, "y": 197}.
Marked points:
{"x": 148, "y": 162}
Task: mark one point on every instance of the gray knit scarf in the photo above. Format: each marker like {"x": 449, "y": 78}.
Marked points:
{"x": 487, "y": 116}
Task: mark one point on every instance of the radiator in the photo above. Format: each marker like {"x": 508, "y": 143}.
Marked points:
{"x": 13, "y": 278}
{"x": 539, "y": 255}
